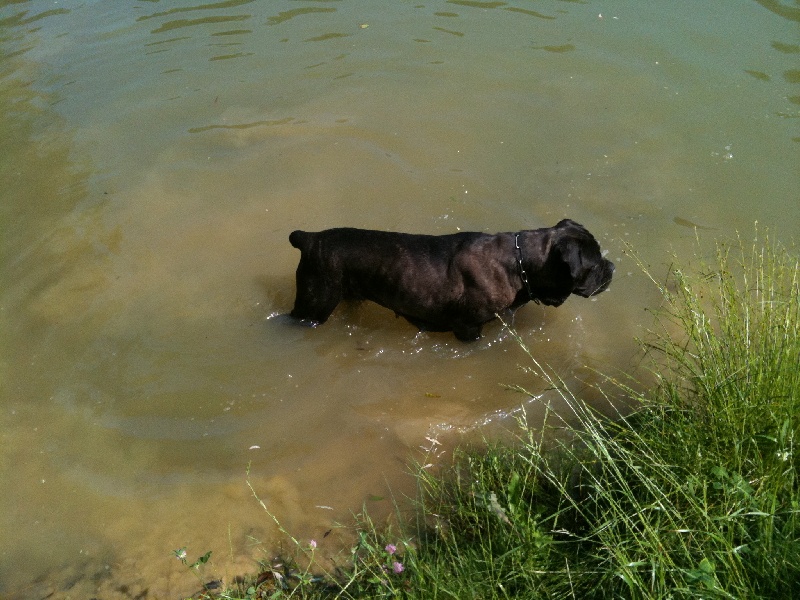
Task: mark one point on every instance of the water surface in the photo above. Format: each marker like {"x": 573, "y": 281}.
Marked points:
{"x": 155, "y": 157}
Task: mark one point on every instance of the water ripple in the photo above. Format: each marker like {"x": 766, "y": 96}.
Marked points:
{"x": 181, "y": 9}
{"x": 285, "y": 121}
{"x": 284, "y": 16}
{"x": 179, "y": 23}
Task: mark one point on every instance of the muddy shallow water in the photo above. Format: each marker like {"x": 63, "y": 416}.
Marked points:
{"x": 155, "y": 157}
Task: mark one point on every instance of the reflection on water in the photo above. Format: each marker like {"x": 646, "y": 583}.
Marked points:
{"x": 155, "y": 158}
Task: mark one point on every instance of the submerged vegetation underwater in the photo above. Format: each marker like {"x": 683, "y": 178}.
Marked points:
{"x": 693, "y": 494}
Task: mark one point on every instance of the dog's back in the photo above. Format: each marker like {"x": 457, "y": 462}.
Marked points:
{"x": 344, "y": 239}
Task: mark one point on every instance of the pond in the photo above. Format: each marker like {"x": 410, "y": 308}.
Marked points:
{"x": 155, "y": 156}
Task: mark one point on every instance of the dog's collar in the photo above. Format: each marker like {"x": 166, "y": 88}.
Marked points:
{"x": 522, "y": 274}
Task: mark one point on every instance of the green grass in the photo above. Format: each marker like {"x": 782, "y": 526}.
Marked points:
{"x": 694, "y": 494}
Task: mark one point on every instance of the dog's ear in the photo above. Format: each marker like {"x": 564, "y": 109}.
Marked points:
{"x": 565, "y": 223}
{"x": 567, "y": 249}
{"x": 578, "y": 251}
{"x": 556, "y": 278}
{"x": 582, "y": 256}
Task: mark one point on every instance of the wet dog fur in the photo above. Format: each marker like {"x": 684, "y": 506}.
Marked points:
{"x": 456, "y": 282}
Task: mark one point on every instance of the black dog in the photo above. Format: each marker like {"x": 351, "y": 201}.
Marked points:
{"x": 454, "y": 282}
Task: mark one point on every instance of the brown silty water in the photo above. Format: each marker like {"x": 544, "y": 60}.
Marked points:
{"x": 155, "y": 161}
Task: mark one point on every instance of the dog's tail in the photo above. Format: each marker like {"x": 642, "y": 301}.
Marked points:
{"x": 299, "y": 239}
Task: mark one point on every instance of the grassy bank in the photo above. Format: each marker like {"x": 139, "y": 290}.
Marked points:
{"x": 695, "y": 494}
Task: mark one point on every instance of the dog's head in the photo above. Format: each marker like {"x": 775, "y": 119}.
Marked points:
{"x": 573, "y": 263}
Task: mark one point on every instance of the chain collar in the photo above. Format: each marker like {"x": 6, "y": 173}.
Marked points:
{"x": 522, "y": 274}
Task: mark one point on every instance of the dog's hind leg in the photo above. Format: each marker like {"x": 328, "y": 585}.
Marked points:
{"x": 316, "y": 297}
{"x": 314, "y": 308}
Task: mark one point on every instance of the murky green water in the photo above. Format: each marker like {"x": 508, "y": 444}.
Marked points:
{"x": 154, "y": 157}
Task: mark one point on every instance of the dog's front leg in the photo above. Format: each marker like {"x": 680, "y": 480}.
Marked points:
{"x": 467, "y": 333}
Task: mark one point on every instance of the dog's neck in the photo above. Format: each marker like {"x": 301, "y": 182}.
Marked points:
{"x": 522, "y": 274}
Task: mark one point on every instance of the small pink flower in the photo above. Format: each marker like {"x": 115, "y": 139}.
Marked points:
{"x": 391, "y": 549}
{"x": 313, "y": 544}
{"x": 397, "y": 567}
